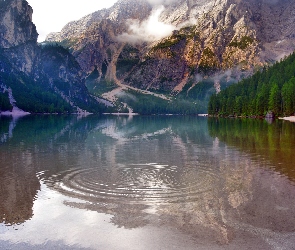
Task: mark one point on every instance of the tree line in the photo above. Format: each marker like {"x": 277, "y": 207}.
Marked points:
{"x": 271, "y": 89}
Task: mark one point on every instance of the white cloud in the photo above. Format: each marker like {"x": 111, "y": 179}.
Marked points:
{"x": 53, "y": 15}
{"x": 161, "y": 2}
{"x": 149, "y": 30}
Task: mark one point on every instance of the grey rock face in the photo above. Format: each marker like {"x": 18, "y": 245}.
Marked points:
{"x": 16, "y": 27}
{"x": 18, "y": 35}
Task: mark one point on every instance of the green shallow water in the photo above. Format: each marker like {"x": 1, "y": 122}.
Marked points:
{"x": 146, "y": 182}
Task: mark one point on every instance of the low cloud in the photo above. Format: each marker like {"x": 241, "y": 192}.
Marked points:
{"x": 227, "y": 76}
{"x": 223, "y": 78}
{"x": 161, "y": 2}
{"x": 148, "y": 30}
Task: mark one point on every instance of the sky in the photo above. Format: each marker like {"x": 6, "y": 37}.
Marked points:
{"x": 53, "y": 15}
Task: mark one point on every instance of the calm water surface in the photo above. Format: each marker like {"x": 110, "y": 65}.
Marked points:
{"x": 146, "y": 183}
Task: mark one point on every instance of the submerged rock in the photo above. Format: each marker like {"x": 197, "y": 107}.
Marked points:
{"x": 270, "y": 115}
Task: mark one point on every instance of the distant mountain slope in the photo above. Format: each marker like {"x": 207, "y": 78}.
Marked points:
{"x": 139, "y": 55}
{"x": 34, "y": 78}
{"x": 212, "y": 36}
{"x": 273, "y": 90}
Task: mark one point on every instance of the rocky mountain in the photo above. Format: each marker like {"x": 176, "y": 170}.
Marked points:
{"x": 172, "y": 45}
{"x": 18, "y": 35}
{"x": 36, "y": 78}
{"x": 145, "y": 56}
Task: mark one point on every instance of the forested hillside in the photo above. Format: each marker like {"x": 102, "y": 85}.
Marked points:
{"x": 56, "y": 90}
{"x": 272, "y": 89}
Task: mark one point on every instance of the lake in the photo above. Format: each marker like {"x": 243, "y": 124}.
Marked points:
{"x": 146, "y": 182}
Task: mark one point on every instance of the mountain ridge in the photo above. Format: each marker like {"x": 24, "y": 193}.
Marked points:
{"x": 236, "y": 35}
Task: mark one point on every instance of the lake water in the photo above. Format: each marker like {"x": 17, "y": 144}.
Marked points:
{"x": 154, "y": 182}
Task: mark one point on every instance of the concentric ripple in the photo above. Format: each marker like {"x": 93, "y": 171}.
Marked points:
{"x": 135, "y": 183}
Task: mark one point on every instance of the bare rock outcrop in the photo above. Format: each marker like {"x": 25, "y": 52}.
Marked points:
{"x": 16, "y": 26}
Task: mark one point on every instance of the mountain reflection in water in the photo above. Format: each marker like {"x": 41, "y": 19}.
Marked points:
{"x": 169, "y": 173}
{"x": 274, "y": 143}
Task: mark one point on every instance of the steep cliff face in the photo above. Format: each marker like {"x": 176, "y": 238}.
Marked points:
{"x": 18, "y": 35}
{"x": 16, "y": 27}
{"x": 32, "y": 77}
{"x": 209, "y": 37}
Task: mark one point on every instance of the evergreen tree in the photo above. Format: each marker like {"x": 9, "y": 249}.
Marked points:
{"x": 274, "y": 103}
{"x": 288, "y": 97}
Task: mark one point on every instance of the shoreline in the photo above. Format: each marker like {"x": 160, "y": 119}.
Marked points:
{"x": 289, "y": 118}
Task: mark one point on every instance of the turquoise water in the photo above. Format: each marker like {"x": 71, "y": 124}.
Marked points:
{"x": 146, "y": 182}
